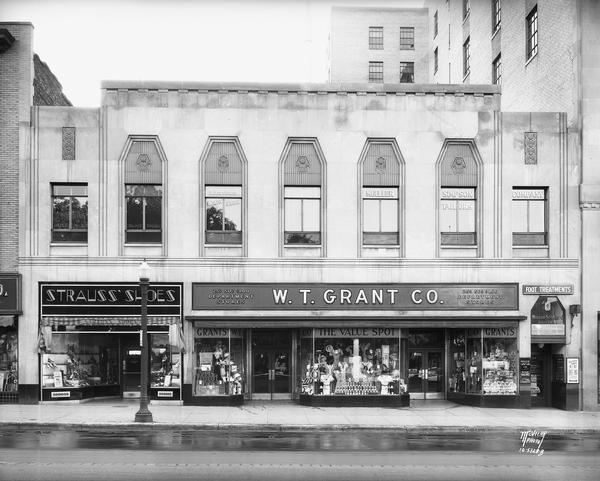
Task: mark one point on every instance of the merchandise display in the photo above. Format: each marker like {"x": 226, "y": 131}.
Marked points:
{"x": 219, "y": 367}
{"x": 351, "y": 366}
{"x": 499, "y": 367}
{"x": 79, "y": 360}
{"x": 8, "y": 360}
{"x": 456, "y": 361}
{"x": 165, "y": 362}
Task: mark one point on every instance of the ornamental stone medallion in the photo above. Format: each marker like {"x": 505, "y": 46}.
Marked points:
{"x": 530, "y": 148}
{"x": 458, "y": 165}
{"x": 380, "y": 165}
{"x": 223, "y": 164}
{"x": 143, "y": 162}
{"x": 302, "y": 164}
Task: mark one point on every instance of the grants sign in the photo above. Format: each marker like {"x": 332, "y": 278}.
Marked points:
{"x": 415, "y": 297}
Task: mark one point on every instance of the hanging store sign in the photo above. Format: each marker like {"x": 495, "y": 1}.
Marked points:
{"x": 548, "y": 318}
{"x": 415, "y": 297}
{"x": 164, "y": 299}
{"x": 539, "y": 290}
{"x": 10, "y": 294}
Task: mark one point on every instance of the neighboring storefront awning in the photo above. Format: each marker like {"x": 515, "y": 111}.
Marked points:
{"x": 104, "y": 321}
{"x": 7, "y": 321}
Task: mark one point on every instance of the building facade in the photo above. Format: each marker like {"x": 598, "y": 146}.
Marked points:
{"x": 332, "y": 245}
{"x": 378, "y": 45}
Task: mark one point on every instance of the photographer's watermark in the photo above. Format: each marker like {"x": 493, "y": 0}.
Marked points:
{"x": 531, "y": 442}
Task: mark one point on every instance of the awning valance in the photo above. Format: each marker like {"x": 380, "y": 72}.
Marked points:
{"x": 105, "y": 321}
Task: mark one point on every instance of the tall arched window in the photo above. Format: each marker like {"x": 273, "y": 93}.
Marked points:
{"x": 459, "y": 174}
{"x": 303, "y": 184}
{"x": 223, "y": 174}
{"x": 143, "y": 192}
{"x": 381, "y": 168}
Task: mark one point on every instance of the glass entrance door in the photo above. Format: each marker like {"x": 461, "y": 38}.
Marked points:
{"x": 271, "y": 366}
{"x": 426, "y": 374}
{"x": 131, "y": 362}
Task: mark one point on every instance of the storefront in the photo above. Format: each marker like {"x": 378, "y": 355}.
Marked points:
{"x": 90, "y": 341}
{"x": 10, "y": 309}
{"x": 334, "y": 344}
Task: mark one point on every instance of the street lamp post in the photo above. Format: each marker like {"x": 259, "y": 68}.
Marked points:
{"x": 144, "y": 415}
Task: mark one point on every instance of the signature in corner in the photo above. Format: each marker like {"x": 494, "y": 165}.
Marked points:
{"x": 531, "y": 442}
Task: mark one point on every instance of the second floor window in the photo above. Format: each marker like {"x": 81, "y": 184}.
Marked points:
{"x": 223, "y": 214}
{"x": 407, "y": 72}
{"x": 144, "y": 213}
{"x": 375, "y": 38}
{"x": 376, "y": 72}
{"x": 497, "y": 70}
{"x": 467, "y": 57}
{"x": 495, "y": 15}
{"x": 457, "y": 216}
{"x": 407, "y": 38}
{"x": 532, "y": 33}
{"x": 380, "y": 216}
{"x": 529, "y": 217}
{"x": 69, "y": 213}
{"x": 302, "y": 207}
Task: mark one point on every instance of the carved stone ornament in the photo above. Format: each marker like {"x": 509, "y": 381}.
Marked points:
{"x": 458, "y": 165}
{"x": 380, "y": 165}
{"x": 302, "y": 164}
{"x": 68, "y": 143}
{"x": 530, "y": 148}
{"x": 143, "y": 162}
{"x": 223, "y": 164}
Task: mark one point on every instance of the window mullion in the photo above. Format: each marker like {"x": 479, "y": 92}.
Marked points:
{"x": 70, "y": 213}
{"x": 144, "y": 213}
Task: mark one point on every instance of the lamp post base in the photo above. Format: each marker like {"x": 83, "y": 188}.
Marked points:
{"x": 143, "y": 415}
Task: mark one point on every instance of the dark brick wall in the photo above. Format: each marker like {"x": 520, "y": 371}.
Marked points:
{"x": 47, "y": 90}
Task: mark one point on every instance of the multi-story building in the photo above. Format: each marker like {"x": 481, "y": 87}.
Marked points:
{"x": 379, "y": 45}
{"x": 544, "y": 55}
{"x": 24, "y": 81}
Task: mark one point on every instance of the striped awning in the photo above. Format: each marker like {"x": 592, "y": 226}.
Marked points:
{"x": 107, "y": 321}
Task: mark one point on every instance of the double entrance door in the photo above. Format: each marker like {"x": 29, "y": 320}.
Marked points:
{"x": 426, "y": 373}
{"x": 271, "y": 364}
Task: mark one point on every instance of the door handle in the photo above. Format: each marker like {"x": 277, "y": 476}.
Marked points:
{"x": 271, "y": 374}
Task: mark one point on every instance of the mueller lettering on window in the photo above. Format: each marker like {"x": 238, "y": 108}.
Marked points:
{"x": 412, "y": 297}
{"x": 539, "y": 290}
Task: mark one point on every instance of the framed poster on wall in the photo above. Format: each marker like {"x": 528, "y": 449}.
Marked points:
{"x": 572, "y": 370}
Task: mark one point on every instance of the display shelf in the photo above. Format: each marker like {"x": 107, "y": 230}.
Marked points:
{"x": 372, "y": 400}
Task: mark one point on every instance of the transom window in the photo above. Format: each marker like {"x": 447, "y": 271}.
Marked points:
{"x": 407, "y": 38}
{"x": 532, "y": 33}
{"x": 376, "y": 72}
{"x": 69, "y": 213}
{"x": 495, "y": 15}
{"x": 407, "y": 72}
{"x": 375, "y": 38}
{"x": 457, "y": 216}
{"x": 144, "y": 213}
{"x": 497, "y": 70}
{"x": 529, "y": 217}
{"x": 302, "y": 215}
{"x": 223, "y": 214}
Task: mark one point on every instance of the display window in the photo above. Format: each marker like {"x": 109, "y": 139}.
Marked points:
{"x": 499, "y": 366}
{"x": 80, "y": 360}
{"x": 351, "y": 361}
{"x": 9, "y": 374}
{"x": 219, "y": 368}
{"x": 457, "y": 375}
{"x": 165, "y": 362}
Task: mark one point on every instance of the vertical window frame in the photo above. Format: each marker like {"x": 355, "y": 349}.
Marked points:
{"x": 436, "y": 60}
{"x": 531, "y": 34}
{"x": 376, "y": 38}
{"x": 376, "y": 72}
{"x": 77, "y": 236}
{"x": 435, "y": 24}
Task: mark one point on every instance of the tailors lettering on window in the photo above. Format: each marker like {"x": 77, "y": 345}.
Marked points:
{"x": 353, "y": 296}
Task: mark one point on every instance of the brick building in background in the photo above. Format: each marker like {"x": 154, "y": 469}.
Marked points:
{"x": 24, "y": 81}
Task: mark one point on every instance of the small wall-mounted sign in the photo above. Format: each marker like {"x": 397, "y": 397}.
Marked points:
{"x": 540, "y": 290}
{"x": 164, "y": 394}
{"x": 572, "y": 370}
{"x": 59, "y": 394}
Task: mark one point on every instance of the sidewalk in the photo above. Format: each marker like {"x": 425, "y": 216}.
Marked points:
{"x": 434, "y": 416}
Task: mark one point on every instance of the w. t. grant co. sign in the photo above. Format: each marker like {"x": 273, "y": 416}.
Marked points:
{"x": 414, "y": 297}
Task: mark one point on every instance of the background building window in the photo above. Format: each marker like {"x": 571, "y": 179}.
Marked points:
{"x": 497, "y": 70}
{"x": 457, "y": 216}
{"x": 407, "y": 38}
{"x": 223, "y": 214}
{"x": 376, "y": 72}
{"x": 467, "y": 57}
{"x": 407, "y": 72}
{"x": 302, "y": 215}
{"x": 69, "y": 213}
{"x": 466, "y": 8}
{"x": 532, "y": 33}
{"x": 435, "y": 24}
{"x": 435, "y": 60}
{"x": 529, "y": 217}
{"x": 375, "y": 38}
{"x": 144, "y": 213}
{"x": 495, "y": 15}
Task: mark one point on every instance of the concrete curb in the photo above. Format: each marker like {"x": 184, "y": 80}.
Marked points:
{"x": 158, "y": 426}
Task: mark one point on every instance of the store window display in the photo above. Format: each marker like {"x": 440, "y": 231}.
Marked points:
{"x": 165, "y": 362}
{"x": 219, "y": 362}
{"x": 8, "y": 360}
